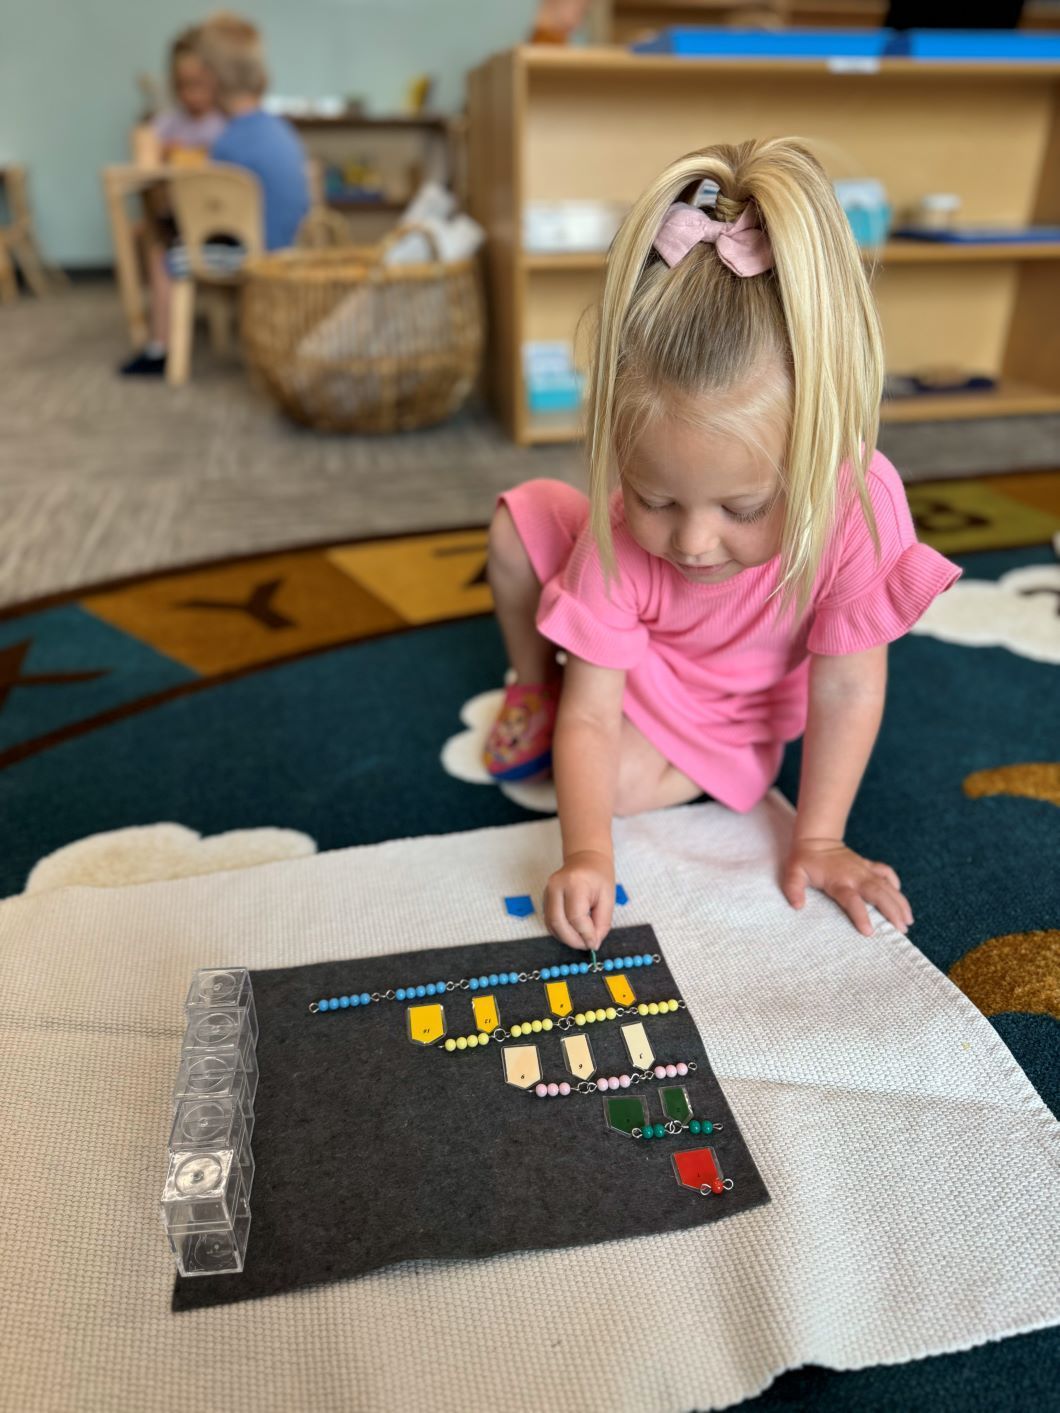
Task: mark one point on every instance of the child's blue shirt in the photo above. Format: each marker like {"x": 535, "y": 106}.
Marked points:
{"x": 269, "y": 147}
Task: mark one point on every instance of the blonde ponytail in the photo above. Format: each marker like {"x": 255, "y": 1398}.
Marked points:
{"x": 697, "y": 331}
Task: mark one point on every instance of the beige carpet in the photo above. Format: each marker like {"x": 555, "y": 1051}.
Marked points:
{"x": 102, "y": 476}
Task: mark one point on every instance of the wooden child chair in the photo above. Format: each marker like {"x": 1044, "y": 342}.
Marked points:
{"x": 18, "y": 242}
{"x": 219, "y": 201}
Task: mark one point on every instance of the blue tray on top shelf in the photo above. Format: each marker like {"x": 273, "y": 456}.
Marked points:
{"x": 1000, "y": 45}
{"x": 692, "y": 42}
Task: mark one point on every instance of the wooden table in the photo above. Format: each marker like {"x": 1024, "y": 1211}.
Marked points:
{"x": 120, "y": 181}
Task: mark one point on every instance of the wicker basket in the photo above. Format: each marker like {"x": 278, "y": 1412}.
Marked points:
{"x": 347, "y": 343}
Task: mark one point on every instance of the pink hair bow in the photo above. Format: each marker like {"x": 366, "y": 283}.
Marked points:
{"x": 742, "y": 245}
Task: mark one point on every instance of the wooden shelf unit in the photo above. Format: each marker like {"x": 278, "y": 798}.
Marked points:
{"x": 548, "y": 124}
{"x": 1009, "y": 399}
{"x": 406, "y": 146}
{"x": 366, "y": 204}
{"x": 895, "y": 252}
{"x": 361, "y": 122}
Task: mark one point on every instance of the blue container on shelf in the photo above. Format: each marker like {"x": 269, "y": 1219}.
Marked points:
{"x": 1001, "y": 45}
{"x": 867, "y": 209}
{"x": 704, "y": 42}
{"x": 553, "y": 384}
{"x": 565, "y": 398}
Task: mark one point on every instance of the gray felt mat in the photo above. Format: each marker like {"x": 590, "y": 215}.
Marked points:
{"x": 372, "y": 1150}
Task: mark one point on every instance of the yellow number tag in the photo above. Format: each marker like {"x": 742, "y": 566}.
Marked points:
{"x": 487, "y": 1016}
{"x": 426, "y": 1024}
{"x": 620, "y": 989}
{"x": 558, "y": 993}
{"x": 521, "y": 1065}
{"x": 638, "y": 1045}
{"x": 578, "y": 1056}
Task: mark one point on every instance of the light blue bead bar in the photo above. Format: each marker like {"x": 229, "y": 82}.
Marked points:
{"x": 478, "y": 983}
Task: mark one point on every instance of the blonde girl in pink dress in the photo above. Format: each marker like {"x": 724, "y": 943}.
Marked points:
{"x": 745, "y": 554}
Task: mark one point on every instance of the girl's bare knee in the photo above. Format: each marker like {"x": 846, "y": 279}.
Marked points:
{"x": 642, "y": 785}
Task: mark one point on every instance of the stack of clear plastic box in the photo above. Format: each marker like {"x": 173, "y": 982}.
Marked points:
{"x": 206, "y": 1200}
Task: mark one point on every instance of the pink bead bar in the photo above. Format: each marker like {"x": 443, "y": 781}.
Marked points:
{"x": 611, "y": 1081}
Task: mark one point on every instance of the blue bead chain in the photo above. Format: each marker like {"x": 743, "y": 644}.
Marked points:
{"x": 481, "y": 983}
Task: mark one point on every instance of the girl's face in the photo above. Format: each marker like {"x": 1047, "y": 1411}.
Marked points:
{"x": 702, "y": 500}
{"x": 193, "y": 85}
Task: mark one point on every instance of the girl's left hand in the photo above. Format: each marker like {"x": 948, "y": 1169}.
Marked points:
{"x": 847, "y": 878}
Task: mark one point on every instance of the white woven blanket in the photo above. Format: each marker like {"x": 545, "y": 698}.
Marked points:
{"x": 912, "y": 1168}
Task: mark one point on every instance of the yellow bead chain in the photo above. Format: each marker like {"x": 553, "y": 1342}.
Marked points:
{"x": 523, "y": 1029}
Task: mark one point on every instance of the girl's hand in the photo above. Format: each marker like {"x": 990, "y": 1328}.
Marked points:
{"x": 580, "y": 898}
{"x": 847, "y": 878}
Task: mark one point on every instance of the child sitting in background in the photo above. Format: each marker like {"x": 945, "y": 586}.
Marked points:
{"x": 266, "y": 145}
{"x": 181, "y": 134}
{"x": 195, "y": 122}
{"x": 231, "y": 49}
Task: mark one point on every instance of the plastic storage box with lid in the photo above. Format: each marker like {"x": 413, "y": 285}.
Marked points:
{"x": 221, "y": 1032}
{"x": 205, "y": 1212}
{"x": 210, "y": 1166}
{"x": 570, "y": 225}
{"x": 227, "y": 987}
{"x": 215, "y": 1077}
{"x": 867, "y": 209}
{"x": 214, "y": 1125}
{"x": 553, "y": 384}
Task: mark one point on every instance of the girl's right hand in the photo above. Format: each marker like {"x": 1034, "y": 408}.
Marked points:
{"x": 580, "y": 899}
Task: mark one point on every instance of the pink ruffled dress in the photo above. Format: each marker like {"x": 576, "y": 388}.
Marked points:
{"x": 716, "y": 679}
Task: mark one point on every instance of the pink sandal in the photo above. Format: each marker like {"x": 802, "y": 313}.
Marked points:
{"x": 520, "y": 741}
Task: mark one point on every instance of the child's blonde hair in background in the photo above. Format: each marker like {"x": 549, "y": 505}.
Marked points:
{"x": 682, "y": 340}
{"x": 232, "y": 48}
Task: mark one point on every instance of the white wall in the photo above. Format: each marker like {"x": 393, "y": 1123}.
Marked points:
{"x": 67, "y": 78}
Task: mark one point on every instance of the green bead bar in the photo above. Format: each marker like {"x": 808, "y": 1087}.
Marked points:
{"x": 694, "y": 1127}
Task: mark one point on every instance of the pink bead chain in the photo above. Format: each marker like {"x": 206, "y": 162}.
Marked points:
{"x": 614, "y": 1081}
